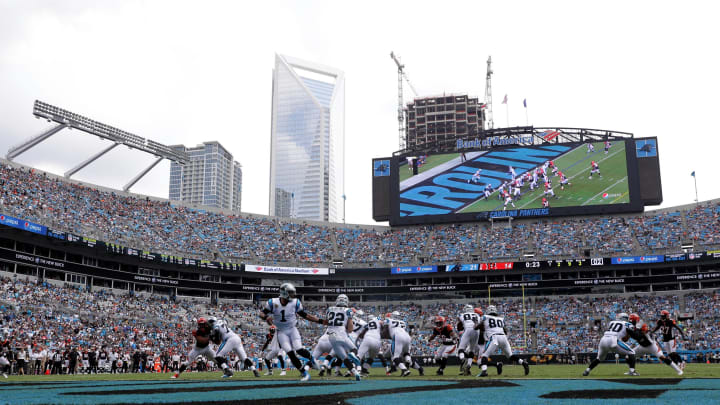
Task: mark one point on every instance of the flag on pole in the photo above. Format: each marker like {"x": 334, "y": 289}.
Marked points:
{"x": 505, "y": 100}
{"x": 693, "y": 173}
{"x": 525, "y": 102}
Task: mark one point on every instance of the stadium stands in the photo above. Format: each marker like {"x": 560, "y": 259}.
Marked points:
{"x": 165, "y": 227}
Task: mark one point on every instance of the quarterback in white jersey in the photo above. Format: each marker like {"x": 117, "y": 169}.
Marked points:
{"x": 493, "y": 326}
{"x": 283, "y": 312}
{"x": 228, "y": 342}
{"x": 613, "y": 341}
{"x": 468, "y": 346}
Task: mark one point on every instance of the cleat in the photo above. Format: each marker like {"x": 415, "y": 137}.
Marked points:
{"x": 175, "y": 376}
{"x": 268, "y": 373}
{"x": 347, "y": 374}
{"x": 526, "y": 367}
{"x": 283, "y": 373}
{"x": 483, "y": 373}
{"x": 257, "y": 373}
{"x": 586, "y": 373}
{"x": 680, "y": 372}
{"x": 439, "y": 372}
{"x": 337, "y": 373}
{"x": 467, "y": 371}
{"x": 305, "y": 376}
{"x": 227, "y": 373}
{"x": 405, "y": 373}
{"x": 322, "y": 372}
{"x": 357, "y": 377}
{"x": 421, "y": 371}
{"x": 499, "y": 368}
{"x": 633, "y": 373}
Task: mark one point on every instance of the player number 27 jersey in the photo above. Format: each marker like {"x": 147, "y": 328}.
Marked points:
{"x": 284, "y": 316}
{"x": 337, "y": 318}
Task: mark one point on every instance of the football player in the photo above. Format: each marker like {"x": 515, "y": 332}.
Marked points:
{"x": 283, "y": 312}
{"x": 475, "y": 177}
{"x": 545, "y": 203}
{"x": 468, "y": 346}
{"x": 669, "y": 341}
{"x": 228, "y": 342}
{"x": 493, "y": 326}
{"x": 396, "y": 331}
{"x": 548, "y": 190}
{"x": 646, "y": 344}
{"x": 272, "y": 350}
{"x": 371, "y": 344}
{"x": 563, "y": 180}
{"x": 508, "y": 200}
{"x": 448, "y": 345}
{"x": 594, "y": 168}
{"x": 613, "y": 341}
{"x": 201, "y": 347}
{"x": 340, "y": 325}
{"x": 590, "y": 148}
{"x": 607, "y": 146}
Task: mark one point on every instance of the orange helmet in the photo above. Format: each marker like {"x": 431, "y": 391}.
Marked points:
{"x": 478, "y": 311}
{"x": 272, "y": 328}
{"x": 664, "y": 314}
{"x": 201, "y": 321}
{"x": 439, "y": 321}
{"x": 644, "y": 328}
{"x": 388, "y": 315}
{"x": 634, "y": 318}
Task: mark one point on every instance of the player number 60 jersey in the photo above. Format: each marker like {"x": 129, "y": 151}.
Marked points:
{"x": 284, "y": 317}
{"x": 337, "y": 318}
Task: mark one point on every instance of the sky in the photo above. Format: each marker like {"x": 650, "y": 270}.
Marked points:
{"x": 185, "y": 72}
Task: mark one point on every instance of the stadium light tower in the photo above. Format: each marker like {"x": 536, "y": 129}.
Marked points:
{"x": 488, "y": 95}
{"x": 70, "y": 120}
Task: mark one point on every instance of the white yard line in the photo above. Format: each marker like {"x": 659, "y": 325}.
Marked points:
{"x": 606, "y": 189}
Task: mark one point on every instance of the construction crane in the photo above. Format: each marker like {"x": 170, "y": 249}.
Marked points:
{"x": 488, "y": 95}
{"x": 401, "y": 106}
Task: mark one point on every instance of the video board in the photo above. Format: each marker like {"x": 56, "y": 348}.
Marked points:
{"x": 516, "y": 181}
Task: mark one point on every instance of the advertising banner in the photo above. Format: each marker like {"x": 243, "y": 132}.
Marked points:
{"x": 314, "y": 271}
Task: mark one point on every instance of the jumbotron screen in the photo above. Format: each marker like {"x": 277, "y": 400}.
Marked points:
{"x": 516, "y": 181}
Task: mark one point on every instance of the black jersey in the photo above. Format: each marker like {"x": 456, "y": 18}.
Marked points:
{"x": 666, "y": 328}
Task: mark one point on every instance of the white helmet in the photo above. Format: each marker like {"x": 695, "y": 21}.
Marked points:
{"x": 492, "y": 310}
{"x": 623, "y": 317}
{"x": 211, "y": 320}
{"x": 468, "y": 308}
{"x": 287, "y": 291}
{"x": 359, "y": 312}
{"x": 395, "y": 313}
{"x": 342, "y": 301}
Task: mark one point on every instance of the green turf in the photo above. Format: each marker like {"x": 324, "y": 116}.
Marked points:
{"x": 582, "y": 191}
{"x": 430, "y": 162}
{"x": 556, "y": 371}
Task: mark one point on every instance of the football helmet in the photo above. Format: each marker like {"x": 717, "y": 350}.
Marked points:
{"x": 623, "y": 317}
{"x": 201, "y": 321}
{"x": 664, "y": 314}
{"x": 395, "y": 313}
{"x": 287, "y": 291}
{"x": 478, "y": 311}
{"x": 468, "y": 308}
{"x": 211, "y": 321}
{"x": 634, "y": 318}
{"x": 439, "y": 321}
{"x": 492, "y": 310}
{"x": 342, "y": 301}
{"x": 272, "y": 329}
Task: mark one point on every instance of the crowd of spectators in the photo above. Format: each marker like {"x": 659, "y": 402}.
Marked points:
{"x": 40, "y": 320}
{"x": 163, "y": 227}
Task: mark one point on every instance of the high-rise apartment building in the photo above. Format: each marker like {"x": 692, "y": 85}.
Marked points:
{"x": 212, "y": 178}
{"x": 307, "y": 151}
{"x": 434, "y": 121}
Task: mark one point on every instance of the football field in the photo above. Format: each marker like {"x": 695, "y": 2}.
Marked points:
{"x": 546, "y": 384}
{"x": 611, "y": 188}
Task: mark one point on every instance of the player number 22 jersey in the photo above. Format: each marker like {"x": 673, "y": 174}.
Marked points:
{"x": 284, "y": 316}
{"x": 337, "y": 318}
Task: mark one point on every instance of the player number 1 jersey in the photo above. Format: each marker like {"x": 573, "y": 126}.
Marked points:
{"x": 284, "y": 317}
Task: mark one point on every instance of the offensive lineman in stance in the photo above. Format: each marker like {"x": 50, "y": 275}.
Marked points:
{"x": 371, "y": 344}
{"x": 283, "y": 312}
{"x": 493, "y": 326}
{"x": 228, "y": 342}
{"x": 201, "y": 348}
{"x": 613, "y": 341}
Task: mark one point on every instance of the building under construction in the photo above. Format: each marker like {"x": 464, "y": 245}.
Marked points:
{"x": 432, "y": 120}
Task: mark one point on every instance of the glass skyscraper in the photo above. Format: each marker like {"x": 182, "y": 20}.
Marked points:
{"x": 212, "y": 178}
{"x": 307, "y": 154}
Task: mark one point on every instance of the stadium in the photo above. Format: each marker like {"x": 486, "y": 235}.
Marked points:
{"x": 499, "y": 263}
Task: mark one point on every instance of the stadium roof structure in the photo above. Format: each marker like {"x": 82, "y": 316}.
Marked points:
{"x": 540, "y": 135}
{"x": 66, "y": 119}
